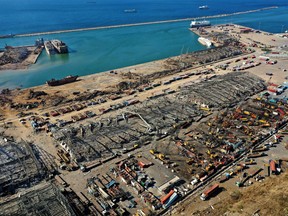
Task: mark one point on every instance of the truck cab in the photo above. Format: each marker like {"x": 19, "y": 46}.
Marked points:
{"x": 194, "y": 181}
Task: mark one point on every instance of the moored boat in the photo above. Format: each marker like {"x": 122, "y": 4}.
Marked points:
{"x": 49, "y": 48}
{"x": 65, "y": 80}
{"x": 60, "y": 46}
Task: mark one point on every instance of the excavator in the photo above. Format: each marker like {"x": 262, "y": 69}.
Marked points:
{"x": 160, "y": 156}
{"x": 209, "y": 167}
{"x": 211, "y": 154}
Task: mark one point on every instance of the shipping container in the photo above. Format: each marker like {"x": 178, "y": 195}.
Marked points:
{"x": 171, "y": 200}
{"x": 166, "y": 197}
{"x": 265, "y": 58}
{"x": 273, "y": 167}
{"x": 209, "y": 192}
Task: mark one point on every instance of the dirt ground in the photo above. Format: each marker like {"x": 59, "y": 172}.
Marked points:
{"x": 267, "y": 198}
{"x": 107, "y": 81}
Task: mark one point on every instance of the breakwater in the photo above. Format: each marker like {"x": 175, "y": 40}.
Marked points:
{"x": 143, "y": 23}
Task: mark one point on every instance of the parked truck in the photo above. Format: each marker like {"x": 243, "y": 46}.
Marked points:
{"x": 171, "y": 200}
{"x": 273, "y": 167}
{"x": 255, "y": 155}
{"x": 207, "y": 193}
{"x": 224, "y": 178}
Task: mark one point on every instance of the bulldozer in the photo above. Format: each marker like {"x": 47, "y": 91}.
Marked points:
{"x": 205, "y": 108}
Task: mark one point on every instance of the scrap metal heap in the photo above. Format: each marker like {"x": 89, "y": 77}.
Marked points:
{"x": 233, "y": 48}
{"x": 228, "y": 47}
{"x": 39, "y": 200}
{"x": 14, "y": 55}
{"x": 224, "y": 137}
{"x": 18, "y": 166}
{"x": 216, "y": 54}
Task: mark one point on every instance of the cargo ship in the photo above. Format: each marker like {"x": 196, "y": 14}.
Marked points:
{"x": 205, "y": 42}
{"x": 65, "y": 80}
{"x": 49, "y": 48}
{"x": 60, "y": 46}
{"x": 197, "y": 24}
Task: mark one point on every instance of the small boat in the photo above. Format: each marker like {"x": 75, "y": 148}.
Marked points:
{"x": 130, "y": 10}
{"x": 65, "y": 80}
{"x": 203, "y": 7}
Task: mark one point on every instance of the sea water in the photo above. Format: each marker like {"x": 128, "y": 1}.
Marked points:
{"x": 106, "y": 49}
{"x": 24, "y": 16}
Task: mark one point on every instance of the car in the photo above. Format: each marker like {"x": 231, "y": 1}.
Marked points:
{"x": 269, "y": 74}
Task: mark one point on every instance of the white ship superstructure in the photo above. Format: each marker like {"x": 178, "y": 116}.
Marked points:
{"x": 205, "y": 41}
{"x": 197, "y": 24}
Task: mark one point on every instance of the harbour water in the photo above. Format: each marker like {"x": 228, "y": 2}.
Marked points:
{"x": 106, "y": 49}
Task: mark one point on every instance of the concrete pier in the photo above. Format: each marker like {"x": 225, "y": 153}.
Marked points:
{"x": 143, "y": 23}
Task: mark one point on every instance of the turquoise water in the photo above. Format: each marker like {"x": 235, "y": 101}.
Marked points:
{"x": 101, "y": 50}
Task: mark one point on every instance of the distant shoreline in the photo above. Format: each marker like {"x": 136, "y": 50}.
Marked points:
{"x": 142, "y": 23}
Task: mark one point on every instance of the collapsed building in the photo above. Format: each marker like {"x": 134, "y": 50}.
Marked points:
{"x": 43, "y": 199}
{"x": 19, "y": 166}
{"x": 225, "y": 91}
{"x": 155, "y": 118}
